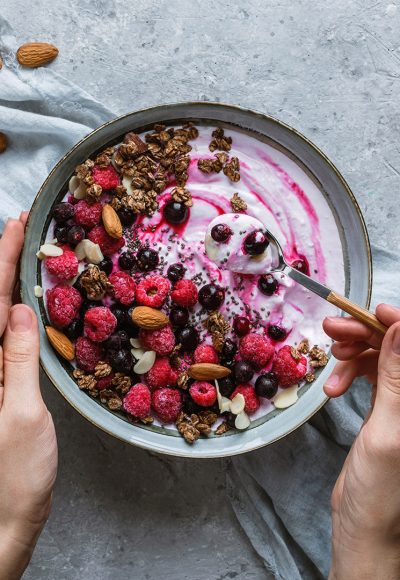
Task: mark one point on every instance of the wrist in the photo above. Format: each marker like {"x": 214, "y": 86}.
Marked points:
{"x": 16, "y": 547}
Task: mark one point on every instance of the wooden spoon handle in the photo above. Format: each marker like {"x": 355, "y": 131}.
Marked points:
{"x": 356, "y": 311}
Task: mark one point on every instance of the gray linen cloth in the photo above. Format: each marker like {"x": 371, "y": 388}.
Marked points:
{"x": 281, "y": 493}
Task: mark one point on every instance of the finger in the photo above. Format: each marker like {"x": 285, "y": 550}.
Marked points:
{"x": 346, "y": 329}
{"x": 387, "y": 314}
{"x": 24, "y": 217}
{"x": 10, "y": 248}
{"x": 345, "y": 372}
{"x": 387, "y": 404}
{"x": 1, "y": 377}
{"x": 21, "y": 359}
{"x": 348, "y": 350}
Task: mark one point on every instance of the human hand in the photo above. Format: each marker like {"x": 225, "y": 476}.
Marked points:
{"x": 28, "y": 446}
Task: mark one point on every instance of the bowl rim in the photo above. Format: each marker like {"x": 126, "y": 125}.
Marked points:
{"x": 265, "y": 117}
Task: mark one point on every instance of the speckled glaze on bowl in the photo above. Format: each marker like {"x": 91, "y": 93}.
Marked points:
{"x": 357, "y": 259}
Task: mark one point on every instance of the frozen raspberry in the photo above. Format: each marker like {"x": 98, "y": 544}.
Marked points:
{"x": 124, "y": 287}
{"x": 137, "y": 401}
{"x": 87, "y": 354}
{"x": 252, "y": 402}
{"x": 104, "y": 382}
{"x": 161, "y": 374}
{"x": 99, "y": 323}
{"x": 64, "y": 267}
{"x": 153, "y": 291}
{"x": 256, "y": 349}
{"x": 162, "y": 341}
{"x": 205, "y": 353}
{"x": 63, "y": 304}
{"x": 185, "y": 293}
{"x": 108, "y": 245}
{"x": 167, "y": 403}
{"x": 87, "y": 215}
{"x": 203, "y": 393}
{"x": 289, "y": 366}
{"x": 107, "y": 177}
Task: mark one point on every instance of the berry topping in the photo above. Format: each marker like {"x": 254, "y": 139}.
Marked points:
{"x": 87, "y": 354}
{"x": 63, "y": 304}
{"x": 162, "y": 341}
{"x": 75, "y": 235}
{"x": 106, "y": 265}
{"x": 147, "y": 259}
{"x": 243, "y": 371}
{"x": 255, "y": 243}
{"x": 229, "y": 349}
{"x": 88, "y": 215}
{"x": 252, "y": 402}
{"x": 290, "y": 366}
{"x": 106, "y": 177}
{"x": 64, "y": 267}
{"x": 267, "y": 385}
{"x": 137, "y": 401}
{"x": 211, "y": 296}
{"x": 241, "y": 325}
{"x": 175, "y": 212}
{"x": 153, "y": 291}
{"x": 127, "y": 260}
{"x": 118, "y": 340}
{"x": 185, "y": 293}
{"x": 108, "y": 245}
{"x": 301, "y": 265}
{"x": 161, "y": 374}
{"x": 267, "y": 284}
{"x": 176, "y": 272}
{"x": 124, "y": 319}
{"x": 61, "y": 234}
{"x": 99, "y": 323}
{"x": 167, "y": 403}
{"x": 62, "y": 212}
{"x": 203, "y": 394}
{"x": 120, "y": 360}
{"x": 188, "y": 338}
{"x": 126, "y": 216}
{"x": 221, "y": 233}
{"x": 276, "y": 332}
{"x": 226, "y": 386}
{"x": 256, "y": 349}
{"x": 205, "y": 353}
{"x": 179, "y": 316}
{"x": 74, "y": 329}
{"x": 124, "y": 287}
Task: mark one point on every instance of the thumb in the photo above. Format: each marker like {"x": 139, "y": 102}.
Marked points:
{"x": 387, "y": 404}
{"x": 21, "y": 358}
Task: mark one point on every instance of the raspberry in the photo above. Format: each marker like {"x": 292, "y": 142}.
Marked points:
{"x": 137, "y": 401}
{"x": 63, "y": 304}
{"x": 252, "y": 402}
{"x": 107, "y": 177}
{"x": 153, "y": 291}
{"x": 99, "y": 323}
{"x": 256, "y": 349}
{"x": 185, "y": 293}
{"x": 161, "y": 374}
{"x": 108, "y": 245}
{"x": 288, "y": 368}
{"x": 104, "y": 382}
{"x": 167, "y": 403}
{"x": 64, "y": 267}
{"x": 162, "y": 341}
{"x": 205, "y": 353}
{"x": 203, "y": 393}
{"x": 87, "y": 215}
{"x": 87, "y": 354}
{"x": 124, "y": 287}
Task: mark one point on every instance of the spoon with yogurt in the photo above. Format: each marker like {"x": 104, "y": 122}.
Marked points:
{"x": 241, "y": 243}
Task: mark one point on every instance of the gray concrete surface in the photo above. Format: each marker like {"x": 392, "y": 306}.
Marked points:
{"x": 331, "y": 69}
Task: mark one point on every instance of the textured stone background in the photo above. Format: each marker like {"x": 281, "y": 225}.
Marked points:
{"x": 331, "y": 69}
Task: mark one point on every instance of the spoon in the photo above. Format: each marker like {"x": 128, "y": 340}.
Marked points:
{"x": 272, "y": 260}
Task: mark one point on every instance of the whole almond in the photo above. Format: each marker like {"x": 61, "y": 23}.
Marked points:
{"x": 60, "y": 343}
{"x": 111, "y": 222}
{"x": 207, "y": 371}
{"x": 34, "y": 54}
{"x": 3, "y": 142}
{"x": 1, "y": 63}
{"x": 149, "y": 318}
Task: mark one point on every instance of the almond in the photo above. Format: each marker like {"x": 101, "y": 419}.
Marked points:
{"x": 149, "y": 318}
{"x": 111, "y": 222}
{"x": 60, "y": 343}
{"x": 35, "y": 54}
{"x": 207, "y": 371}
{"x": 3, "y": 142}
{"x": 1, "y": 63}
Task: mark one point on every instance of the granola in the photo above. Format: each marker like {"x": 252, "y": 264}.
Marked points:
{"x": 237, "y": 203}
{"x": 95, "y": 282}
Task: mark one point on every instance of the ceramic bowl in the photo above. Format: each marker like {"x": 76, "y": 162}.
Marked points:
{"x": 355, "y": 246}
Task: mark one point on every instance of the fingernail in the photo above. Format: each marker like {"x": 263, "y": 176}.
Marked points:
{"x": 335, "y": 318}
{"x": 332, "y": 382}
{"x": 20, "y": 318}
{"x": 396, "y": 341}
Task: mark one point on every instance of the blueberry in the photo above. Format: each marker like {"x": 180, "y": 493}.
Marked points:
{"x": 255, "y": 243}
{"x": 124, "y": 320}
{"x": 127, "y": 260}
{"x": 126, "y": 216}
{"x": 78, "y": 285}
{"x": 241, "y": 325}
{"x": 179, "y": 316}
{"x": 62, "y": 212}
{"x": 189, "y": 406}
{"x": 121, "y": 360}
{"x": 61, "y": 233}
{"x": 118, "y": 341}
{"x": 276, "y": 332}
{"x": 189, "y": 338}
{"x": 301, "y": 265}
{"x": 226, "y": 386}
{"x": 229, "y": 349}
{"x": 175, "y": 212}
{"x": 74, "y": 329}
{"x": 211, "y": 296}
{"x": 243, "y": 372}
{"x": 267, "y": 385}
{"x": 176, "y": 272}
{"x": 267, "y": 284}
{"x": 75, "y": 235}
{"x": 106, "y": 265}
{"x": 221, "y": 233}
{"x": 147, "y": 259}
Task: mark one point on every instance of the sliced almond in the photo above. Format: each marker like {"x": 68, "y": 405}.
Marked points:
{"x": 111, "y": 221}
{"x": 137, "y": 352}
{"x": 208, "y": 371}
{"x": 135, "y": 343}
{"x": 149, "y": 318}
{"x": 225, "y": 404}
{"x": 94, "y": 255}
{"x": 127, "y": 183}
{"x": 80, "y": 250}
{"x": 40, "y": 256}
{"x": 80, "y": 191}
{"x": 60, "y": 343}
{"x": 237, "y": 404}
{"x": 38, "y": 291}
{"x": 74, "y": 183}
{"x": 242, "y": 421}
{"x": 145, "y": 363}
{"x": 50, "y": 251}
{"x": 286, "y": 397}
